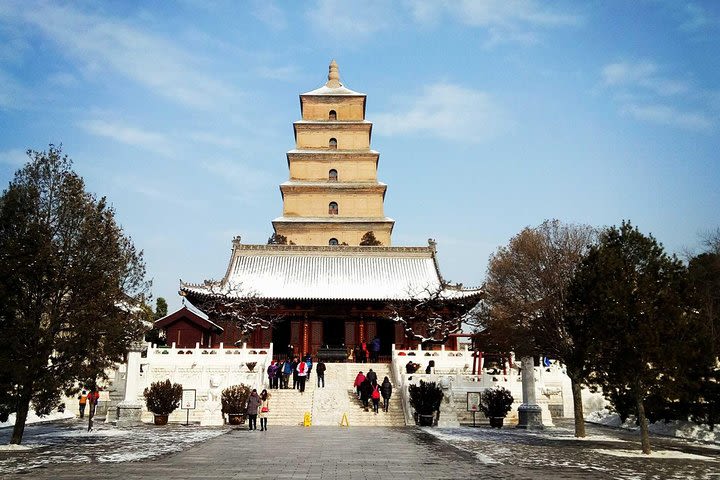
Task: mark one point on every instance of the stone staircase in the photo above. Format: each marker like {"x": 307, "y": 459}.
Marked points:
{"x": 327, "y": 405}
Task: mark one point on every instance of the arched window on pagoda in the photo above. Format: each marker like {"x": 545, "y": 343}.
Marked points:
{"x": 333, "y": 208}
{"x": 333, "y": 144}
{"x": 333, "y": 241}
{"x": 332, "y": 175}
{"x": 332, "y": 115}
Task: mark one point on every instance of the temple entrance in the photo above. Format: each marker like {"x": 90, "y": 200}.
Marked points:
{"x": 334, "y": 332}
{"x": 386, "y": 334}
{"x": 281, "y": 339}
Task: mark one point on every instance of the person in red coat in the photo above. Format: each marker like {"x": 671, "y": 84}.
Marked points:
{"x": 358, "y": 381}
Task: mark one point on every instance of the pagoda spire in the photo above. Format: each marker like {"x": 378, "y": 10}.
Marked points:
{"x": 333, "y": 76}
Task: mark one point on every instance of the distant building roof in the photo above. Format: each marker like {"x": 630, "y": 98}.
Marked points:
{"x": 190, "y": 313}
{"x": 289, "y": 272}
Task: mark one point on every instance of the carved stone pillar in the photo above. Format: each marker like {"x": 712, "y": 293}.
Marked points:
{"x": 529, "y": 413}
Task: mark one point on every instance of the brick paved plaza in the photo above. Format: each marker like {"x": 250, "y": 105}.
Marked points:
{"x": 354, "y": 453}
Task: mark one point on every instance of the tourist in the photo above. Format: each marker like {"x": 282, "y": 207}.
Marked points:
{"x": 372, "y": 376}
{"x": 286, "y": 372}
{"x": 375, "y": 395}
{"x": 364, "y": 352}
{"x": 253, "y": 405}
{"x": 93, "y": 398}
{"x": 301, "y": 376}
{"x": 410, "y": 367}
{"x": 294, "y": 364}
{"x": 356, "y": 354}
{"x": 431, "y": 367}
{"x": 358, "y": 381}
{"x": 386, "y": 392}
{"x": 278, "y": 376}
{"x": 375, "y": 349}
{"x": 320, "y": 373}
{"x": 264, "y": 409}
{"x": 82, "y": 401}
{"x": 271, "y": 371}
{"x": 308, "y": 362}
{"x": 365, "y": 392}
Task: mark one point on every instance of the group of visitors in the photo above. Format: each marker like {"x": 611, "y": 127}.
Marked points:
{"x": 366, "y": 351}
{"x": 258, "y": 406}
{"x": 367, "y": 388}
{"x": 279, "y": 373}
{"x": 88, "y": 396}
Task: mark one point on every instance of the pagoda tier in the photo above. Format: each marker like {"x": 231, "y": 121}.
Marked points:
{"x": 333, "y": 196}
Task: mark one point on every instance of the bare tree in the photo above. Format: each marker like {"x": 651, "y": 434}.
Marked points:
{"x": 243, "y": 307}
{"x": 525, "y": 292}
{"x": 436, "y": 315}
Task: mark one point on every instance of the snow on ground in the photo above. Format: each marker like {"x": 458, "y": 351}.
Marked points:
{"x": 615, "y": 453}
{"x": 654, "y": 454}
{"x": 69, "y": 441}
{"x": 686, "y": 430}
{"x": 34, "y": 418}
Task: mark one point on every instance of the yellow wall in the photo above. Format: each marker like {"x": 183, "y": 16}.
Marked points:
{"x": 349, "y": 170}
{"x": 347, "y": 108}
{"x": 315, "y": 235}
{"x": 320, "y": 139}
{"x": 349, "y": 204}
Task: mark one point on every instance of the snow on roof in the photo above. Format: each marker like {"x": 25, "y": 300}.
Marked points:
{"x": 334, "y": 219}
{"x": 331, "y": 273}
{"x": 341, "y": 90}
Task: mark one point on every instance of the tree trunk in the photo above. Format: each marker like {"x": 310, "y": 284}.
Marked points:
{"x": 578, "y": 408}
{"x": 23, "y": 407}
{"x": 644, "y": 436}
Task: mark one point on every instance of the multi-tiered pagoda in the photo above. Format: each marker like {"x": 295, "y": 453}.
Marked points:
{"x": 321, "y": 284}
{"x": 333, "y": 195}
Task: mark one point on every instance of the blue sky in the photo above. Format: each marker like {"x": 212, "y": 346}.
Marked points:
{"x": 489, "y": 115}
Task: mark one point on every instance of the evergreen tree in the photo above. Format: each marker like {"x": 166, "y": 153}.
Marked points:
{"x": 369, "y": 240}
{"x": 161, "y": 308}
{"x": 633, "y": 298}
{"x": 277, "y": 239}
{"x": 67, "y": 280}
{"x": 525, "y": 292}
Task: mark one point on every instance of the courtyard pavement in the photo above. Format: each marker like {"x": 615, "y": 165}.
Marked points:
{"x": 61, "y": 451}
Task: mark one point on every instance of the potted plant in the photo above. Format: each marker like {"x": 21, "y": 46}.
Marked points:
{"x": 251, "y": 365}
{"x": 234, "y": 402}
{"x": 425, "y": 398}
{"x": 162, "y": 398}
{"x": 495, "y": 403}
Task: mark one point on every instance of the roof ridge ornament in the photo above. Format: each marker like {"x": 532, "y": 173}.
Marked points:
{"x": 333, "y": 76}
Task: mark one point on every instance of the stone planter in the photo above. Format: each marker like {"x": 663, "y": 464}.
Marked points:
{"x": 425, "y": 420}
{"x": 236, "y": 418}
{"x": 496, "y": 422}
{"x": 161, "y": 419}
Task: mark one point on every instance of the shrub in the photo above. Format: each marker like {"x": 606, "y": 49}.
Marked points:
{"x": 234, "y": 399}
{"x": 496, "y": 402}
{"x": 162, "y": 398}
{"x": 425, "y": 398}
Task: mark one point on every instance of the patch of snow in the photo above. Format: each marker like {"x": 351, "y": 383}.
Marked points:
{"x": 34, "y": 418}
{"x": 17, "y": 448}
{"x": 674, "y": 454}
{"x": 675, "y": 428}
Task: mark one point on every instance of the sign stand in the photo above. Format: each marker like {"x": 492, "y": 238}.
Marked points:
{"x": 344, "y": 422}
{"x": 473, "y": 403}
{"x": 188, "y": 402}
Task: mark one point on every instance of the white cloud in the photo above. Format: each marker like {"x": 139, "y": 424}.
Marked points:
{"x": 448, "y": 111}
{"x": 130, "y": 135}
{"x": 697, "y": 18}
{"x": 340, "y": 19}
{"x": 106, "y": 44}
{"x": 644, "y": 74}
{"x": 246, "y": 181}
{"x": 63, "y": 79}
{"x": 278, "y": 73}
{"x": 13, "y": 95}
{"x": 14, "y": 157}
{"x": 667, "y": 115}
{"x": 506, "y": 21}
{"x": 270, "y": 14}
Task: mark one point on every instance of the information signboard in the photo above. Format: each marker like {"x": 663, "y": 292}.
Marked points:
{"x": 188, "y": 399}
{"x": 473, "y": 401}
